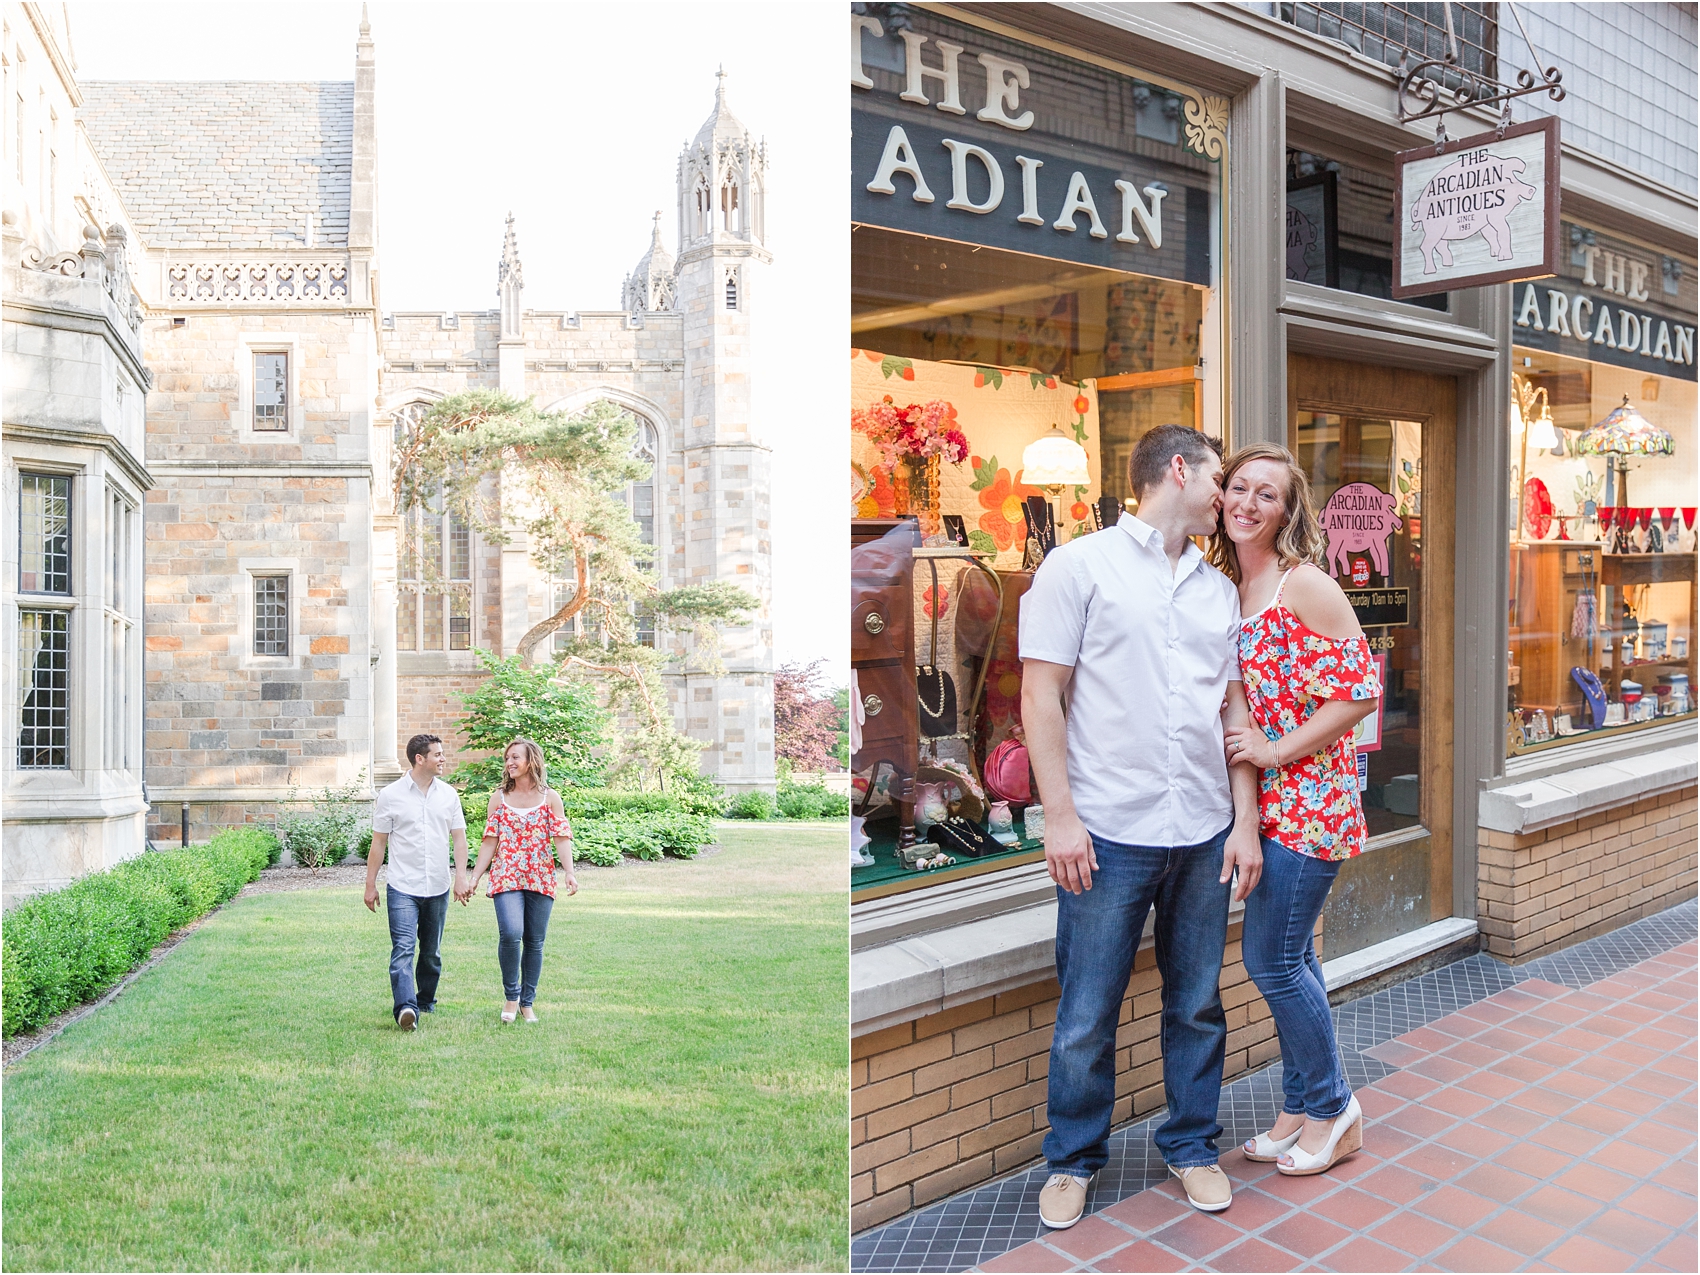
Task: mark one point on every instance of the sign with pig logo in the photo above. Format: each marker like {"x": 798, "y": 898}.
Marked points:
{"x": 1359, "y": 519}
{"x": 1483, "y": 211}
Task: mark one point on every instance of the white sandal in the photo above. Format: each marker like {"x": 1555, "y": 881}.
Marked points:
{"x": 1345, "y": 1137}
{"x": 509, "y": 1015}
{"x": 1267, "y": 1150}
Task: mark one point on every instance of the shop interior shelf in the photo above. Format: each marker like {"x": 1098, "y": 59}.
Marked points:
{"x": 1645, "y": 568}
{"x": 887, "y": 870}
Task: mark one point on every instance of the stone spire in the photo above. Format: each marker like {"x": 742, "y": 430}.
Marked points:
{"x": 721, "y": 123}
{"x": 651, "y": 285}
{"x": 509, "y": 282}
{"x": 722, "y": 180}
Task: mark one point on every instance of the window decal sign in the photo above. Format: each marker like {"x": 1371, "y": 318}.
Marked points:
{"x": 1483, "y": 211}
{"x": 1359, "y": 518}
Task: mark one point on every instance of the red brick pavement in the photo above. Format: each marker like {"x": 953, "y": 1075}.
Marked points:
{"x": 1542, "y": 1129}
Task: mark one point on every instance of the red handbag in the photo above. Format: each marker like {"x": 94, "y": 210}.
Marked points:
{"x": 1007, "y": 775}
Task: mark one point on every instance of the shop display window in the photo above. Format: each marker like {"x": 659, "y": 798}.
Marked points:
{"x": 1035, "y": 248}
{"x": 1602, "y": 601}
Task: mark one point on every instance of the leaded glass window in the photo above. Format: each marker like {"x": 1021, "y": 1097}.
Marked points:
{"x": 271, "y": 615}
{"x": 271, "y": 390}
{"x": 434, "y": 592}
{"x": 44, "y": 534}
{"x": 44, "y": 690}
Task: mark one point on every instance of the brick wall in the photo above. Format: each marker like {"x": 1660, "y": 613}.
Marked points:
{"x": 1574, "y": 880}
{"x": 957, "y": 1098}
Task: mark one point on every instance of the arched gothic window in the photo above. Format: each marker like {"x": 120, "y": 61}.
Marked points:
{"x": 434, "y": 566}
{"x": 731, "y": 214}
{"x": 732, "y": 288}
{"x": 703, "y": 220}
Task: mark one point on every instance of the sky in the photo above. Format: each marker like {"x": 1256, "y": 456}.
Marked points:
{"x": 571, "y": 116}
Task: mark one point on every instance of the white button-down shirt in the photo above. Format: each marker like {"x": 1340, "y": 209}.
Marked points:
{"x": 419, "y": 825}
{"x": 1153, "y": 651}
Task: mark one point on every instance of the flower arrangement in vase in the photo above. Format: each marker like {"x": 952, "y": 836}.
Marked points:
{"x": 912, "y": 441}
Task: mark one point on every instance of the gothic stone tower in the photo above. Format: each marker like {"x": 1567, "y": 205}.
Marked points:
{"x": 722, "y": 194}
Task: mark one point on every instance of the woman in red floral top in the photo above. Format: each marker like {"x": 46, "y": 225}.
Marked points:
{"x": 1309, "y": 679}
{"x": 525, "y": 816}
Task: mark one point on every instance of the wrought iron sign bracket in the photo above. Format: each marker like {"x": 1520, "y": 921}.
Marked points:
{"x": 1421, "y": 96}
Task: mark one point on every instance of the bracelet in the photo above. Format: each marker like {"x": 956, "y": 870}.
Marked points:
{"x": 1277, "y": 754}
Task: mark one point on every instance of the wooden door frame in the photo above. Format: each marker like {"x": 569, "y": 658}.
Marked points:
{"x": 1432, "y": 399}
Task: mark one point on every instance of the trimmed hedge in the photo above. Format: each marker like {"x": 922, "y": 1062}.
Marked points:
{"x": 607, "y": 824}
{"x": 67, "y": 946}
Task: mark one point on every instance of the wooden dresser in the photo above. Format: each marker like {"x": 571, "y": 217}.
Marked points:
{"x": 882, "y": 654}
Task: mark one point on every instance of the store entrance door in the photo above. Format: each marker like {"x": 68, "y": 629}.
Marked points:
{"x": 1379, "y": 446}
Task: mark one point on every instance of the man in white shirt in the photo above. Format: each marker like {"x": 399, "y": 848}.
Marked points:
{"x": 1128, "y": 672}
{"x": 416, "y": 820}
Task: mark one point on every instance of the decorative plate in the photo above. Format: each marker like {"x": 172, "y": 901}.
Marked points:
{"x": 1537, "y": 508}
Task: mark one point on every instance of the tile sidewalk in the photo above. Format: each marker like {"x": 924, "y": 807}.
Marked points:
{"x": 1541, "y": 1128}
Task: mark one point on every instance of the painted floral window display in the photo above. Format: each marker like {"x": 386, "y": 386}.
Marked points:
{"x": 937, "y": 439}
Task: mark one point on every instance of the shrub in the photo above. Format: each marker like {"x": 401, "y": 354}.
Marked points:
{"x": 67, "y": 946}
{"x": 751, "y": 805}
{"x": 645, "y": 835}
{"x": 363, "y": 843}
{"x": 601, "y": 803}
{"x": 699, "y": 795}
{"x": 811, "y": 801}
{"x": 517, "y": 701}
{"x": 323, "y": 835}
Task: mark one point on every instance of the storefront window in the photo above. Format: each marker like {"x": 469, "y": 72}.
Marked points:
{"x": 1035, "y": 250}
{"x": 1603, "y": 487}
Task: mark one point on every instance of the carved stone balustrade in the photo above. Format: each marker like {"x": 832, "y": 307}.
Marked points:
{"x": 323, "y": 281}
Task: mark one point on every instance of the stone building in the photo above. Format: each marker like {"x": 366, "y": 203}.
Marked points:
{"x": 75, "y": 480}
{"x": 286, "y": 645}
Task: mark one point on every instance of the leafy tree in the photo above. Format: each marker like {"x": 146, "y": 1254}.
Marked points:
{"x": 841, "y": 705}
{"x": 520, "y": 701}
{"x": 558, "y": 478}
{"x": 805, "y": 725}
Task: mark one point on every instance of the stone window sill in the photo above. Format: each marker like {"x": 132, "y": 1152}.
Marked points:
{"x": 1523, "y": 805}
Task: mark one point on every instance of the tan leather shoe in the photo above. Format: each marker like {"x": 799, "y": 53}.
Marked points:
{"x": 1206, "y": 1186}
{"x": 1063, "y": 1200}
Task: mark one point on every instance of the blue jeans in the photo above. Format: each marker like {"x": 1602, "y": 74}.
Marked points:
{"x": 522, "y": 921}
{"x": 1098, "y": 933}
{"x": 415, "y": 922}
{"x": 1280, "y": 917}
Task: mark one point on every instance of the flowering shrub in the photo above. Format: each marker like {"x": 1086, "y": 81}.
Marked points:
{"x": 915, "y": 432}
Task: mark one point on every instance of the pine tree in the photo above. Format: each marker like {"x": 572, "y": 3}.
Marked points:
{"x": 503, "y": 467}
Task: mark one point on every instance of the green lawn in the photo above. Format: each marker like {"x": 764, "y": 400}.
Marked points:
{"x": 248, "y": 1104}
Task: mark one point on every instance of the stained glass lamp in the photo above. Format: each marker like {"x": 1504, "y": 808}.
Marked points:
{"x": 1624, "y": 433}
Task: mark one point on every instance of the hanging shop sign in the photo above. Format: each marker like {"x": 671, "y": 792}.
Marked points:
{"x": 1484, "y": 210}
{"x": 963, "y": 134}
{"x": 1613, "y": 302}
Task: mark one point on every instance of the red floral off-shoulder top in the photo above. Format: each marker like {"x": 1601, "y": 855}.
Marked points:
{"x": 1310, "y": 804}
{"x": 524, "y": 859}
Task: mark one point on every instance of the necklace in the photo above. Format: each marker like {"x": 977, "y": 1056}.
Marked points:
{"x": 927, "y": 670}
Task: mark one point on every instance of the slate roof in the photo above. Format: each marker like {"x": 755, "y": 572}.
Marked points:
{"x": 229, "y": 164}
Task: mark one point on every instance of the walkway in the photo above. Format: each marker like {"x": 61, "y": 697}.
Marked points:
{"x": 1536, "y": 1118}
